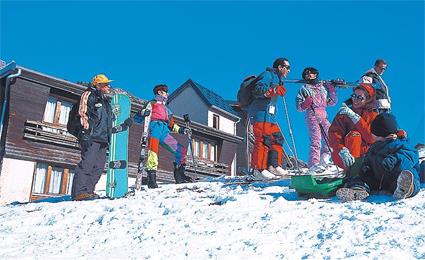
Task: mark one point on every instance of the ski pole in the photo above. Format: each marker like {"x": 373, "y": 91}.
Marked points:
{"x": 291, "y": 134}
{"x": 187, "y": 122}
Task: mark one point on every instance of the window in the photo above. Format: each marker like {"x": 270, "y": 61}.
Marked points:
{"x": 204, "y": 150}
{"x": 216, "y": 121}
{"x": 52, "y": 180}
{"x": 57, "y": 111}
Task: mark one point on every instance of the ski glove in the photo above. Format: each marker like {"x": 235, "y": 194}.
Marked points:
{"x": 276, "y": 91}
{"x": 345, "y": 110}
{"x": 307, "y": 103}
{"x": 185, "y": 130}
{"x": 346, "y": 157}
{"x": 144, "y": 112}
{"x": 389, "y": 162}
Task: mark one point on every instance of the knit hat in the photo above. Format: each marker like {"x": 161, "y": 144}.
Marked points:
{"x": 384, "y": 125}
{"x": 366, "y": 87}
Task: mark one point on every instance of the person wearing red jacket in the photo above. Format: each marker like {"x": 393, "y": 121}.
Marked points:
{"x": 349, "y": 134}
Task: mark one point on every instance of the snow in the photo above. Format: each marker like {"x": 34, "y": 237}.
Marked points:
{"x": 215, "y": 220}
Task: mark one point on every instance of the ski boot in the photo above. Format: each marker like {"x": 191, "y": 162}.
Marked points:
{"x": 152, "y": 179}
{"x": 405, "y": 186}
{"x": 179, "y": 175}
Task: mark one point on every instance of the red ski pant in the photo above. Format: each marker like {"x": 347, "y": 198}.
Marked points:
{"x": 268, "y": 137}
{"x": 353, "y": 141}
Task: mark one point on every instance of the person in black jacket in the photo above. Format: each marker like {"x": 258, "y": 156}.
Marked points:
{"x": 96, "y": 120}
{"x": 391, "y": 164}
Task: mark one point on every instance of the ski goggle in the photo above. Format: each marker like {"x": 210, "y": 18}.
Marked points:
{"x": 358, "y": 97}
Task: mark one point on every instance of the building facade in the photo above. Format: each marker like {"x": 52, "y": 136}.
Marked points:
{"x": 38, "y": 155}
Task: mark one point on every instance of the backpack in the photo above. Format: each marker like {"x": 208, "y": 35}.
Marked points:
{"x": 74, "y": 125}
{"x": 246, "y": 89}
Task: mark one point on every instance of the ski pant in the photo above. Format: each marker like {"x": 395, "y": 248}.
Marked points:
{"x": 359, "y": 178}
{"x": 267, "y": 147}
{"x": 159, "y": 134}
{"x": 353, "y": 142}
{"x": 318, "y": 144}
{"x": 89, "y": 170}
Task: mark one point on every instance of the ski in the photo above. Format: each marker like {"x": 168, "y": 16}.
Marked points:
{"x": 141, "y": 170}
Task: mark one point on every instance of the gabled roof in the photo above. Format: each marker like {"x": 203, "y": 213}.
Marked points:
{"x": 6, "y": 69}
{"x": 209, "y": 97}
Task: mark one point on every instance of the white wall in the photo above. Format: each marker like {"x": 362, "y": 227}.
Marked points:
{"x": 189, "y": 102}
{"x": 226, "y": 125}
{"x": 16, "y": 180}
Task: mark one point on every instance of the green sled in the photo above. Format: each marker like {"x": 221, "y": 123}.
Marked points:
{"x": 315, "y": 187}
{"x": 117, "y": 177}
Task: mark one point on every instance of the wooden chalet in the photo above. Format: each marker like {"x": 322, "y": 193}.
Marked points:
{"x": 38, "y": 155}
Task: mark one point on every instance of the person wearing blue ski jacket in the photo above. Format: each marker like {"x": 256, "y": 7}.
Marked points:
{"x": 391, "y": 164}
{"x": 267, "y": 153}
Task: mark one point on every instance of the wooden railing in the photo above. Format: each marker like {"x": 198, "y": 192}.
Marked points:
{"x": 207, "y": 167}
{"x": 45, "y": 132}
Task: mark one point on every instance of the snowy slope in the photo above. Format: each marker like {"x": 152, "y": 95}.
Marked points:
{"x": 213, "y": 220}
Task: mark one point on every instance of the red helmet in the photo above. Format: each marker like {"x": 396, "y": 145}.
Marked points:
{"x": 162, "y": 87}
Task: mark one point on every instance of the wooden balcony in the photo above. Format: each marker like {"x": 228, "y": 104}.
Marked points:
{"x": 44, "y": 132}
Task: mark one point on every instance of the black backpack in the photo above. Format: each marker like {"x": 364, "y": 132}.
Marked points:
{"x": 74, "y": 124}
{"x": 246, "y": 89}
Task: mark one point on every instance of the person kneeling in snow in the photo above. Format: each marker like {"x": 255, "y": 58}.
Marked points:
{"x": 313, "y": 98}
{"x": 391, "y": 164}
{"x": 349, "y": 133}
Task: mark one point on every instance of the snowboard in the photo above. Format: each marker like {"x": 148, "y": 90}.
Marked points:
{"x": 117, "y": 177}
{"x": 141, "y": 170}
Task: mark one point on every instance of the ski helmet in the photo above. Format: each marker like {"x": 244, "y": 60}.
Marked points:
{"x": 159, "y": 87}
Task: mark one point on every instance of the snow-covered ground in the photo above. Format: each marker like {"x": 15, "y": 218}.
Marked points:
{"x": 213, "y": 220}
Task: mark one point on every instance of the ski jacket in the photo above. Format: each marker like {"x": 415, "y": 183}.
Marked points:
{"x": 382, "y": 92}
{"x": 264, "y": 109}
{"x": 342, "y": 125}
{"x": 96, "y": 111}
{"x": 160, "y": 112}
{"x": 323, "y": 95}
{"x": 385, "y": 160}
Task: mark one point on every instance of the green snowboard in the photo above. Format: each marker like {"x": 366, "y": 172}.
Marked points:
{"x": 117, "y": 178}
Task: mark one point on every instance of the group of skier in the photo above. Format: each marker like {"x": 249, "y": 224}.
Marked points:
{"x": 363, "y": 138}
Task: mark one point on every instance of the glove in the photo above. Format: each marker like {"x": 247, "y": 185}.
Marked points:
{"x": 389, "y": 162}
{"x": 276, "y": 91}
{"x": 338, "y": 82}
{"x": 185, "y": 130}
{"x": 346, "y": 157}
{"x": 307, "y": 103}
{"x": 144, "y": 112}
{"x": 345, "y": 110}
{"x": 84, "y": 140}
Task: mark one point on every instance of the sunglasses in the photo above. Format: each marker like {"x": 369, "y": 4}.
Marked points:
{"x": 287, "y": 67}
{"x": 358, "y": 97}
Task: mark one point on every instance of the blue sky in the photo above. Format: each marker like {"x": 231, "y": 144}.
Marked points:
{"x": 217, "y": 44}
